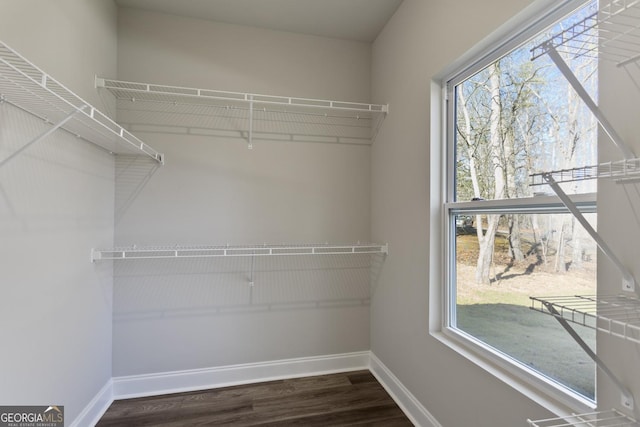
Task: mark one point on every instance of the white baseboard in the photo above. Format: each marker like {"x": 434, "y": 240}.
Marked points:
{"x": 126, "y": 387}
{"x": 92, "y": 413}
{"x": 414, "y": 410}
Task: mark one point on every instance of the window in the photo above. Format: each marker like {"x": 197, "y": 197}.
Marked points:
{"x": 510, "y": 117}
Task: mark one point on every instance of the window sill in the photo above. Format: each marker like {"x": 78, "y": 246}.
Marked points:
{"x": 548, "y": 394}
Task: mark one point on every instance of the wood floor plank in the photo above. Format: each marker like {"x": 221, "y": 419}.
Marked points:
{"x": 345, "y": 399}
{"x": 217, "y": 415}
{"x": 320, "y": 401}
{"x": 387, "y": 415}
{"x": 361, "y": 377}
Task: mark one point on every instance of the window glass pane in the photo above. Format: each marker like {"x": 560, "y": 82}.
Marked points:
{"x": 553, "y": 256}
{"x": 520, "y": 116}
{"x": 510, "y": 120}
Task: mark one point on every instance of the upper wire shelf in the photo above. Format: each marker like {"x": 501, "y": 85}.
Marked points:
{"x": 251, "y": 116}
{"x": 29, "y": 88}
{"x": 610, "y": 418}
{"x": 157, "y": 252}
{"x": 619, "y": 170}
{"x": 612, "y": 33}
{"x": 617, "y": 315}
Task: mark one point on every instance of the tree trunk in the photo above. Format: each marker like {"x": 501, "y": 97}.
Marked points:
{"x": 469, "y": 145}
{"x": 577, "y": 255}
{"x": 560, "y": 264}
{"x": 486, "y": 242}
{"x": 515, "y": 244}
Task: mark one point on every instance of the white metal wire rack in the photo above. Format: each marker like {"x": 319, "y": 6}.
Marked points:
{"x": 159, "y": 252}
{"x": 617, "y": 315}
{"x": 610, "y": 418}
{"x": 612, "y": 33}
{"x": 29, "y": 88}
{"x": 252, "y": 116}
{"x": 620, "y": 170}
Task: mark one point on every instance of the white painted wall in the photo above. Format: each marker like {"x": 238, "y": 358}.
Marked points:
{"x": 618, "y": 223}
{"x": 175, "y": 315}
{"x": 421, "y": 40}
{"x": 56, "y": 203}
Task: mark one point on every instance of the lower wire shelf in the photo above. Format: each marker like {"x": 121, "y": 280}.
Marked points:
{"x": 156, "y": 252}
{"x": 617, "y": 315}
{"x": 610, "y": 418}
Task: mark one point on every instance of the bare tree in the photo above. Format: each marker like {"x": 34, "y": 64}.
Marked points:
{"x": 486, "y": 238}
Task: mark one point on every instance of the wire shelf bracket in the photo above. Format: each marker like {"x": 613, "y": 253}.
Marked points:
{"x": 42, "y": 136}
{"x": 628, "y": 281}
{"x": 30, "y": 89}
{"x": 553, "y": 54}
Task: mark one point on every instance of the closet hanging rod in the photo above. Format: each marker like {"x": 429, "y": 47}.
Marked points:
{"x": 29, "y": 88}
{"x": 163, "y": 252}
{"x": 173, "y": 93}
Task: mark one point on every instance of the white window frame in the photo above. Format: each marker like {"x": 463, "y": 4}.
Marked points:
{"x": 549, "y": 394}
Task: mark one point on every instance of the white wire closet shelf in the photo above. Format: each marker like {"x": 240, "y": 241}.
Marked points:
{"x": 610, "y": 418}
{"x": 165, "y": 252}
{"x": 250, "y": 116}
{"x": 27, "y": 87}
{"x": 617, "y": 315}
{"x": 620, "y": 170}
{"x": 612, "y": 34}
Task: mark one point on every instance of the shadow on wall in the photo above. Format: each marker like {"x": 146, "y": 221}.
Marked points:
{"x": 234, "y": 120}
{"x": 132, "y": 174}
{"x": 158, "y": 288}
{"x": 632, "y": 193}
{"x": 47, "y": 175}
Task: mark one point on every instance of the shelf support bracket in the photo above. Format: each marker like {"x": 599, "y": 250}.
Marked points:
{"x": 628, "y": 281}
{"x": 627, "y": 397}
{"x": 250, "y": 147}
{"x": 586, "y": 98}
{"x": 43, "y": 135}
{"x": 251, "y": 276}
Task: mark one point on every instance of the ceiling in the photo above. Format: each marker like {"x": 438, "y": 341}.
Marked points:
{"x": 360, "y": 20}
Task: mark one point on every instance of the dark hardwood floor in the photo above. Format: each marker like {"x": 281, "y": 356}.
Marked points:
{"x": 352, "y": 398}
